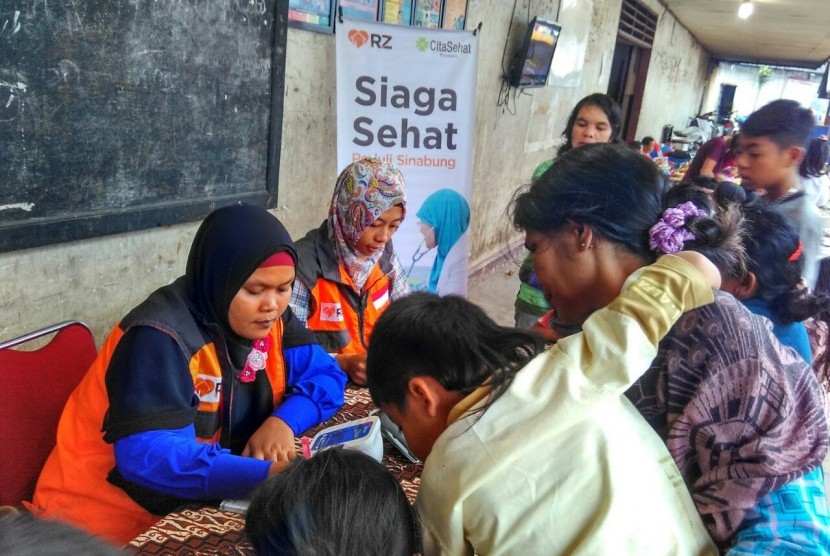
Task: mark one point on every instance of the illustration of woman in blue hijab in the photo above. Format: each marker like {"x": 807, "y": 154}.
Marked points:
{"x": 444, "y": 218}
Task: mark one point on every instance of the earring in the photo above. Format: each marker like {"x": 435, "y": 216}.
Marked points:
{"x": 582, "y": 245}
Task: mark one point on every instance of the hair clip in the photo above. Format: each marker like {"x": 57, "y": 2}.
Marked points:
{"x": 799, "y": 249}
{"x": 670, "y": 233}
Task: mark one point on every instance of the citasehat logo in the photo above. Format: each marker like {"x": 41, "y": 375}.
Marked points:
{"x": 422, "y": 44}
{"x": 358, "y": 37}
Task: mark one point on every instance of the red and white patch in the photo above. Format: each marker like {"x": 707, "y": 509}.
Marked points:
{"x": 380, "y": 298}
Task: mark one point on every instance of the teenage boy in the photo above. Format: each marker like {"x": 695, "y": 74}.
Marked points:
{"x": 770, "y": 150}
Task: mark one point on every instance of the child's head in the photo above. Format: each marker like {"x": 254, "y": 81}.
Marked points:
{"x": 22, "y": 535}
{"x": 771, "y": 146}
{"x": 718, "y": 235}
{"x": 367, "y": 208}
{"x": 338, "y": 502}
{"x": 429, "y": 352}
{"x": 648, "y": 144}
{"x": 815, "y": 160}
{"x": 729, "y": 193}
{"x": 595, "y": 119}
{"x": 705, "y": 182}
{"x": 240, "y": 270}
{"x": 774, "y": 263}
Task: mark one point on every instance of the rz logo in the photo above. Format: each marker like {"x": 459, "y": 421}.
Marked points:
{"x": 381, "y": 41}
{"x": 331, "y": 312}
{"x": 359, "y": 37}
{"x": 208, "y": 388}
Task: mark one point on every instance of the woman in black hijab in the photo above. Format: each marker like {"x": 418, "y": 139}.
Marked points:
{"x": 199, "y": 390}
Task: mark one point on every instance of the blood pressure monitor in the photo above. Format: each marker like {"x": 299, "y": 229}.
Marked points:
{"x": 362, "y": 435}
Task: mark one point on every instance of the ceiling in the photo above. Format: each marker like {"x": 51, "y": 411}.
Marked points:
{"x": 779, "y": 32}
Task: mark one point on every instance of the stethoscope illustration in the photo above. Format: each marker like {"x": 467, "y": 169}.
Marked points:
{"x": 418, "y": 255}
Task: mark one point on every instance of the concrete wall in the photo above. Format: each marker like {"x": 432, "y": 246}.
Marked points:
{"x": 99, "y": 280}
{"x": 510, "y": 145}
{"x": 678, "y": 72}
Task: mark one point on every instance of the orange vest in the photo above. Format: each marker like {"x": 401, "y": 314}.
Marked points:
{"x": 73, "y": 485}
{"x": 342, "y": 321}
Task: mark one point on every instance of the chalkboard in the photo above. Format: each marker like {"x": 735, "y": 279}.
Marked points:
{"x": 120, "y": 115}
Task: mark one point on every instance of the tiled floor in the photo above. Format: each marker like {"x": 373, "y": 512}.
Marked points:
{"x": 495, "y": 291}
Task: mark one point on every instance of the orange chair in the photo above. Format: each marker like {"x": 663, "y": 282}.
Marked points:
{"x": 34, "y": 387}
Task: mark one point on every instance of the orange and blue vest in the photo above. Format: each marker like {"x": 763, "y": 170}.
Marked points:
{"x": 341, "y": 319}
{"x": 78, "y": 482}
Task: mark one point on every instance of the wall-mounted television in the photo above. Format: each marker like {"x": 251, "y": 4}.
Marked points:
{"x": 531, "y": 65}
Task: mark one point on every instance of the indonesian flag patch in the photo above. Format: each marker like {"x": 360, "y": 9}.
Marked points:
{"x": 381, "y": 297}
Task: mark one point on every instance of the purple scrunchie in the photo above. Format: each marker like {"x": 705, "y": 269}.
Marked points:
{"x": 670, "y": 233}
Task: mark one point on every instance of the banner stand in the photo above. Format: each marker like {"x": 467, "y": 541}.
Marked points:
{"x": 406, "y": 95}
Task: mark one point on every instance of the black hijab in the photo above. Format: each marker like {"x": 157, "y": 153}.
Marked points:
{"x": 229, "y": 246}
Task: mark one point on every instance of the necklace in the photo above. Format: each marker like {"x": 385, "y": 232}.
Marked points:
{"x": 256, "y": 360}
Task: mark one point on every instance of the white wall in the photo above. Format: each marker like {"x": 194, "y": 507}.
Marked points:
{"x": 99, "y": 280}
{"x": 678, "y": 72}
{"x": 749, "y": 95}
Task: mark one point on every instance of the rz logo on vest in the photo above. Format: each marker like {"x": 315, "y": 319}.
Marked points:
{"x": 208, "y": 388}
{"x": 331, "y": 312}
{"x": 359, "y": 37}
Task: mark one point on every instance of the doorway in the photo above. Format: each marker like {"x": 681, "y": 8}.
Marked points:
{"x": 726, "y": 100}
{"x": 629, "y": 70}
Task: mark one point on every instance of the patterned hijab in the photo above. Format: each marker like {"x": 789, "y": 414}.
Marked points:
{"x": 365, "y": 190}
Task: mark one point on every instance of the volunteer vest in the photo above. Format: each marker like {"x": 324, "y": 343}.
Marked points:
{"x": 74, "y": 485}
{"x": 341, "y": 319}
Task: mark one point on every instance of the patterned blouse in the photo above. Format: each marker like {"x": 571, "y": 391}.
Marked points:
{"x": 741, "y": 415}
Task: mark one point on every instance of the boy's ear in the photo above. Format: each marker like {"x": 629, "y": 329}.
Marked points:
{"x": 425, "y": 393}
{"x": 795, "y": 155}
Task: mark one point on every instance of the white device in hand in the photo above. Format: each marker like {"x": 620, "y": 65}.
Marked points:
{"x": 362, "y": 435}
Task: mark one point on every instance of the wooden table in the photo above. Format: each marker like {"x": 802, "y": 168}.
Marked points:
{"x": 202, "y": 530}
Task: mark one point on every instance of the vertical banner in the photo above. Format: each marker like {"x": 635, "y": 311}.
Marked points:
{"x": 406, "y": 95}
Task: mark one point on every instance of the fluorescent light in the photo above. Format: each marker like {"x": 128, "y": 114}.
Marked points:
{"x": 746, "y": 9}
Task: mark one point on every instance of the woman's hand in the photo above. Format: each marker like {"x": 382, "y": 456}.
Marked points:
{"x": 704, "y": 265}
{"x": 273, "y": 441}
{"x": 354, "y": 365}
{"x": 278, "y": 467}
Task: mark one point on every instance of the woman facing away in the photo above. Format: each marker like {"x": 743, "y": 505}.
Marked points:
{"x": 444, "y": 218}
{"x": 197, "y": 393}
{"x": 769, "y": 284}
{"x": 348, "y": 271}
{"x": 740, "y": 415}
